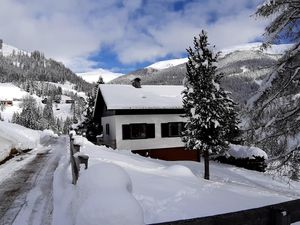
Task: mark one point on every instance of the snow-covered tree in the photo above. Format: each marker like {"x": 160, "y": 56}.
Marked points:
{"x": 67, "y": 124}
{"x": 276, "y": 111}
{"x": 209, "y": 111}
{"x": 30, "y": 115}
{"x": 285, "y": 24}
{"x": 48, "y": 114}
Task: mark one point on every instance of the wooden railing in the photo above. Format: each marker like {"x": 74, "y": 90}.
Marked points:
{"x": 280, "y": 214}
{"x": 76, "y": 159}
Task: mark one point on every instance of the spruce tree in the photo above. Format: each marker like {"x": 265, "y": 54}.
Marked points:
{"x": 48, "y": 114}
{"x": 30, "y": 114}
{"x": 209, "y": 111}
{"x": 275, "y": 112}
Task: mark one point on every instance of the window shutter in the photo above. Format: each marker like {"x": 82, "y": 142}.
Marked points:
{"x": 150, "y": 130}
{"x": 107, "y": 129}
{"x": 126, "y": 131}
{"x": 164, "y": 130}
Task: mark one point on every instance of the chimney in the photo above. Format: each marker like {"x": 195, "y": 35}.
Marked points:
{"x": 136, "y": 82}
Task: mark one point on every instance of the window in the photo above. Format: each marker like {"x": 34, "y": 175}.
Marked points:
{"x": 173, "y": 129}
{"x": 107, "y": 129}
{"x": 138, "y": 131}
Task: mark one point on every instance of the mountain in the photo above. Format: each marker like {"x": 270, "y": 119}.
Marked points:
{"x": 167, "y": 63}
{"x": 244, "y": 68}
{"x": 38, "y": 92}
{"x": 18, "y": 66}
{"x": 93, "y": 76}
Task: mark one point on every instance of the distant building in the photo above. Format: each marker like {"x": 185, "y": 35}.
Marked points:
{"x": 144, "y": 119}
{"x": 6, "y": 102}
{"x": 69, "y": 101}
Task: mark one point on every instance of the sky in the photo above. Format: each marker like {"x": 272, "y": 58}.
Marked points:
{"x": 123, "y": 35}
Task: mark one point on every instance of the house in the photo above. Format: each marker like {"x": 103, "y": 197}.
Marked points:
{"x": 6, "y": 102}
{"x": 144, "y": 119}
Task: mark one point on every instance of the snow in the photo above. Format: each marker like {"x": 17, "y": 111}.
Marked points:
{"x": 123, "y": 188}
{"x": 14, "y": 136}
{"x": 21, "y": 137}
{"x": 239, "y": 151}
{"x": 8, "y": 50}
{"x": 273, "y": 50}
{"x": 8, "y": 91}
{"x": 146, "y": 97}
{"x": 244, "y": 69}
{"x": 93, "y": 76}
{"x": 167, "y": 63}
{"x": 116, "y": 188}
{"x": 68, "y": 87}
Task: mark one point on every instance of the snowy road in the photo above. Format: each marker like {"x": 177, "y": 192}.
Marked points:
{"x": 26, "y": 195}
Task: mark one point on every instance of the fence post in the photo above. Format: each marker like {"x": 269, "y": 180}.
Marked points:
{"x": 76, "y": 160}
{"x": 74, "y": 167}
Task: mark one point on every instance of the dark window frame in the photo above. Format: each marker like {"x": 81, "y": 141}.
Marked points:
{"x": 128, "y": 129}
{"x": 167, "y": 129}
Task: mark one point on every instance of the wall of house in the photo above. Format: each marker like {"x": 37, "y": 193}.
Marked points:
{"x": 137, "y": 144}
{"x": 111, "y": 138}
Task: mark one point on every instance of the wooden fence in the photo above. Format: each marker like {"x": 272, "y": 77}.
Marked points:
{"x": 76, "y": 159}
{"x": 280, "y": 214}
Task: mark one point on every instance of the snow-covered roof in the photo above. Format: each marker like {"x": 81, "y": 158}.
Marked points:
{"x": 147, "y": 97}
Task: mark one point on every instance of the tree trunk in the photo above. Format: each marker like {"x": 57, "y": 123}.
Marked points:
{"x": 199, "y": 152}
{"x": 206, "y": 165}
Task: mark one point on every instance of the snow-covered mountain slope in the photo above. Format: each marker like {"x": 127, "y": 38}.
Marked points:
{"x": 10, "y": 92}
{"x": 244, "y": 68}
{"x": 93, "y": 76}
{"x": 256, "y": 46}
{"x": 8, "y": 50}
{"x": 167, "y": 63}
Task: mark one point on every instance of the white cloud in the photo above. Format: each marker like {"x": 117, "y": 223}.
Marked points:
{"x": 71, "y": 30}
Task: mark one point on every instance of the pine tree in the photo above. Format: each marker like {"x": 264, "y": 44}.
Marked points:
{"x": 67, "y": 124}
{"x": 30, "y": 114}
{"x": 48, "y": 114}
{"x": 275, "y": 113}
{"x": 209, "y": 111}
{"x": 285, "y": 23}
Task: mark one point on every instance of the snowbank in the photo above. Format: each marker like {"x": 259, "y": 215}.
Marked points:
{"x": 239, "y": 151}
{"x": 106, "y": 188}
{"x": 47, "y": 135}
{"x": 5, "y": 147}
{"x": 21, "y": 137}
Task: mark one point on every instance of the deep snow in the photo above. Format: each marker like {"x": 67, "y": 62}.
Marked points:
{"x": 17, "y": 137}
{"x": 130, "y": 189}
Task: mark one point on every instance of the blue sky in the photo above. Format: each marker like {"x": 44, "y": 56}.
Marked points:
{"x": 123, "y": 35}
